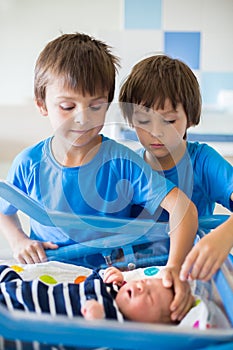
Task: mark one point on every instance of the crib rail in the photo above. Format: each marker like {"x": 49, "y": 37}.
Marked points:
{"x": 97, "y": 234}
{"x": 45, "y": 329}
{"x": 28, "y": 327}
{"x": 224, "y": 283}
{"x": 47, "y": 217}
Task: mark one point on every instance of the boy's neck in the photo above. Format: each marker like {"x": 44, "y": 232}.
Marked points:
{"x": 72, "y": 156}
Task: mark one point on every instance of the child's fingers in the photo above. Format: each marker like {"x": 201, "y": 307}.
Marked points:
{"x": 32, "y": 254}
{"x": 187, "y": 266}
{"x": 182, "y": 300}
{"x": 183, "y": 308}
{"x": 180, "y": 296}
{"x": 205, "y": 268}
{"x": 209, "y": 275}
{"x": 25, "y": 258}
{"x": 49, "y": 245}
{"x": 167, "y": 279}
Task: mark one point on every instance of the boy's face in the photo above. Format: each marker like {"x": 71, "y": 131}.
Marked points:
{"x": 75, "y": 118}
{"x": 161, "y": 131}
{"x": 145, "y": 301}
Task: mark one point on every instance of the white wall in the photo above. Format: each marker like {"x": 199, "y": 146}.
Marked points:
{"x": 27, "y": 25}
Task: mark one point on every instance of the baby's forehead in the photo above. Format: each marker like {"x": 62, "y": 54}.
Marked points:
{"x": 151, "y": 282}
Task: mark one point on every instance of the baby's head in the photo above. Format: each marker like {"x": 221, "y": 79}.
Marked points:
{"x": 145, "y": 300}
{"x": 80, "y": 63}
{"x": 157, "y": 79}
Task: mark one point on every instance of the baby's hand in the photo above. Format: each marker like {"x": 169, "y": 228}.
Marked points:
{"x": 183, "y": 299}
{"x": 113, "y": 275}
{"x": 92, "y": 310}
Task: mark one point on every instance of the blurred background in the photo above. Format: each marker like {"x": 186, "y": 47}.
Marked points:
{"x": 197, "y": 31}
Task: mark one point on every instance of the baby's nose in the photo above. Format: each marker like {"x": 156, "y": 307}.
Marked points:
{"x": 140, "y": 287}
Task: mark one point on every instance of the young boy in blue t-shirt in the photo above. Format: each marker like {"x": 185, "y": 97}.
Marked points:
{"x": 161, "y": 100}
{"x": 80, "y": 171}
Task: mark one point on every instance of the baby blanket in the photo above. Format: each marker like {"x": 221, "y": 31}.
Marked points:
{"x": 205, "y": 313}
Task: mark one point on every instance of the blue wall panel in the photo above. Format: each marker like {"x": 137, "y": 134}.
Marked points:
{"x": 212, "y": 83}
{"x": 185, "y": 46}
{"x": 144, "y": 14}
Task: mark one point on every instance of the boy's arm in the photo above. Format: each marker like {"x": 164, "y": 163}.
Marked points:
{"x": 209, "y": 253}
{"x": 183, "y": 221}
{"x": 25, "y": 250}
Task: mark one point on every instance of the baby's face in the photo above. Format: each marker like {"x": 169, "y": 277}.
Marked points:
{"x": 145, "y": 301}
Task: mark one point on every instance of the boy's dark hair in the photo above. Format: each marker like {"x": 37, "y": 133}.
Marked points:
{"x": 80, "y": 62}
{"x": 156, "y": 78}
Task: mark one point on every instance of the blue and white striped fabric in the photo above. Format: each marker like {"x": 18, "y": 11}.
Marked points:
{"x": 64, "y": 298}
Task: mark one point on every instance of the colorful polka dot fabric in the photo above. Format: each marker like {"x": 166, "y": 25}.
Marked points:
{"x": 53, "y": 272}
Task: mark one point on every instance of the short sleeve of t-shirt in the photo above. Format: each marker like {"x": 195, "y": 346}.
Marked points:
{"x": 213, "y": 175}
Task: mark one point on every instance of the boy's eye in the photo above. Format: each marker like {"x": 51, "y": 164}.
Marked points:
{"x": 143, "y": 122}
{"x": 96, "y": 107}
{"x": 141, "y": 119}
{"x": 66, "y": 106}
{"x": 170, "y": 118}
{"x": 169, "y": 121}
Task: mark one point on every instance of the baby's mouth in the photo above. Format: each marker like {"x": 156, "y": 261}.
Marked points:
{"x": 129, "y": 292}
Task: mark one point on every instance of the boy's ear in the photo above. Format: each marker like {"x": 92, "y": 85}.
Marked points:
{"x": 42, "y": 107}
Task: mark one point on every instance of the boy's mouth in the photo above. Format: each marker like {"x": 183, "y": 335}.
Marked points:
{"x": 156, "y": 145}
{"x": 81, "y": 132}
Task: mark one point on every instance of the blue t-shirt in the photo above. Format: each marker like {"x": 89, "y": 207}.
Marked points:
{"x": 204, "y": 175}
{"x": 114, "y": 180}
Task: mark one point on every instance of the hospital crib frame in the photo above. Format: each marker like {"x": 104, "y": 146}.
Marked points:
{"x": 104, "y": 333}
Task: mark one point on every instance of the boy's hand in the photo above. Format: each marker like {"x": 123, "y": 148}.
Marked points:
{"x": 183, "y": 299}
{"x": 92, "y": 310}
{"x": 29, "y": 251}
{"x": 206, "y": 257}
{"x": 113, "y": 275}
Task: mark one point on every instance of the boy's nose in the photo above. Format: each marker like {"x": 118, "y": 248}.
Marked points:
{"x": 81, "y": 116}
{"x": 157, "y": 128}
{"x": 157, "y": 134}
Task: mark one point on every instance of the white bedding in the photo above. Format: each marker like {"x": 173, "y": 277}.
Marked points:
{"x": 51, "y": 272}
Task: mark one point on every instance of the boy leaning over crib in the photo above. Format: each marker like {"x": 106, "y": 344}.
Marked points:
{"x": 78, "y": 170}
{"x": 161, "y": 100}
{"x": 110, "y": 297}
